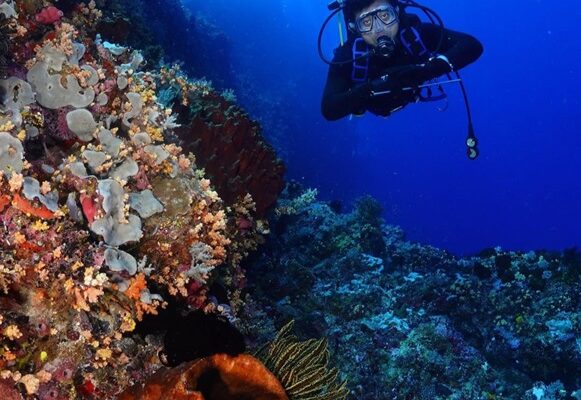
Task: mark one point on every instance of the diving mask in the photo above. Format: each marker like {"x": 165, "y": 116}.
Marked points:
{"x": 365, "y": 23}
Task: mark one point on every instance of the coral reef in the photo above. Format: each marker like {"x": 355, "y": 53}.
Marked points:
{"x": 227, "y": 143}
{"x": 131, "y": 197}
{"x": 285, "y": 369}
{"x": 106, "y": 218}
{"x": 216, "y": 135}
{"x": 164, "y": 31}
{"x": 410, "y": 321}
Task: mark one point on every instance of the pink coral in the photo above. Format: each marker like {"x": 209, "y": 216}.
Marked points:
{"x": 51, "y": 391}
{"x": 64, "y": 372}
{"x": 56, "y": 126}
{"x": 89, "y": 207}
{"x": 141, "y": 181}
{"x": 244, "y": 224}
{"x": 49, "y": 15}
{"x": 7, "y": 390}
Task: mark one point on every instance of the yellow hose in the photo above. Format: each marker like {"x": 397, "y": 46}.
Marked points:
{"x": 340, "y": 29}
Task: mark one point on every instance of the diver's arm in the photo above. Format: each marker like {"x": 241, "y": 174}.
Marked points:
{"x": 459, "y": 48}
{"x": 341, "y": 97}
{"x": 340, "y": 101}
{"x": 457, "y": 51}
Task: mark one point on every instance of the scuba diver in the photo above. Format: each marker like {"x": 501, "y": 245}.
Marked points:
{"x": 391, "y": 59}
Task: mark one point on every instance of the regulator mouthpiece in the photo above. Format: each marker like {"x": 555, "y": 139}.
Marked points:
{"x": 385, "y": 46}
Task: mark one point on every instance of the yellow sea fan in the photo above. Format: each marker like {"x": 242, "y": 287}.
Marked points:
{"x": 302, "y": 367}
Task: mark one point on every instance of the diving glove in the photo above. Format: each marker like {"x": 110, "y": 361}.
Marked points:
{"x": 385, "y": 83}
{"x": 394, "y": 79}
{"x": 435, "y": 67}
{"x": 411, "y": 75}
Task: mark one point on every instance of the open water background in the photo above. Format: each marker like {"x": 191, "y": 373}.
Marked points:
{"x": 524, "y": 192}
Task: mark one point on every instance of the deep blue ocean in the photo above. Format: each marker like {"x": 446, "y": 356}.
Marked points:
{"x": 524, "y": 192}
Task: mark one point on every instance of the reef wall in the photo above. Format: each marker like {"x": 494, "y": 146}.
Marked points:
{"x": 106, "y": 215}
{"x": 163, "y": 30}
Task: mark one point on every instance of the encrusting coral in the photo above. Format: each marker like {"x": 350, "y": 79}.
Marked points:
{"x": 103, "y": 215}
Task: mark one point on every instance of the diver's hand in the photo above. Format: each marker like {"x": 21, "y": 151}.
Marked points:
{"x": 397, "y": 78}
{"x": 421, "y": 73}
{"x": 411, "y": 75}
{"x": 436, "y": 67}
{"x": 416, "y": 74}
{"x": 392, "y": 79}
{"x": 385, "y": 83}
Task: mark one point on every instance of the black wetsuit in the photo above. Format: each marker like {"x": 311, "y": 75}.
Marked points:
{"x": 342, "y": 96}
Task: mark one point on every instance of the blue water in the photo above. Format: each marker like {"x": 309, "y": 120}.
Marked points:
{"x": 524, "y": 192}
